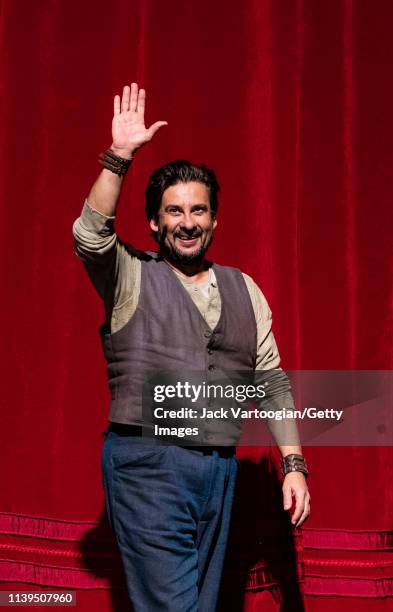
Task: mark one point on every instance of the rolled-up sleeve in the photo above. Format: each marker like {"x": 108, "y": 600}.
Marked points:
{"x": 95, "y": 236}
{"x": 112, "y": 265}
{"x": 95, "y": 243}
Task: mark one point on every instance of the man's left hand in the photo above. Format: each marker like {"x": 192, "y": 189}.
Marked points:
{"x": 295, "y": 486}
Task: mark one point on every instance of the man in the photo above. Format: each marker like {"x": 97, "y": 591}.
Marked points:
{"x": 169, "y": 504}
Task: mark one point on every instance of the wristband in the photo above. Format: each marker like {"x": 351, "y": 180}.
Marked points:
{"x": 114, "y": 163}
{"x": 294, "y": 463}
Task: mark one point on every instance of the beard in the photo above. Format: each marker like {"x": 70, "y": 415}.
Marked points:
{"x": 170, "y": 251}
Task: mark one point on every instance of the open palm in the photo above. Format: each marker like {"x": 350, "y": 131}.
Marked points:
{"x": 128, "y": 125}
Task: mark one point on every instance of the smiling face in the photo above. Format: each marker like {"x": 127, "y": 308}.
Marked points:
{"x": 185, "y": 224}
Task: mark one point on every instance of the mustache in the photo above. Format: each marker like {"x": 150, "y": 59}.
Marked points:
{"x": 182, "y": 234}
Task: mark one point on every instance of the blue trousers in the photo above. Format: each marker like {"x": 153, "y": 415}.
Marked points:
{"x": 169, "y": 508}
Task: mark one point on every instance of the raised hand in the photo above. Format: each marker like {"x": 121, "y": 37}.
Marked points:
{"x": 129, "y": 132}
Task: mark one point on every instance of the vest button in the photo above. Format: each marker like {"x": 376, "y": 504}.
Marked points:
{"x": 207, "y": 334}
{"x": 210, "y": 351}
{"x": 211, "y": 367}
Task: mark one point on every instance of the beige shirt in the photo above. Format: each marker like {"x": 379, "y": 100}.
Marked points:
{"x": 115, "y": 270}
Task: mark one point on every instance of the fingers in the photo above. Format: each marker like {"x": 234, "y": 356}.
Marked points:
{"x": 155, "y": 127}
{"x": 116, "y": 105}
{"x": 125, "y": 100}
{"x": 299, "y": 507}
{"x": 133, "y": 97}
{"x": 306, "y": 511}
{"x": 287, "y": 493}
{"x": 302, "y": 509}
{"x": 131, "y": 100}
{"x": 140, "y": 105}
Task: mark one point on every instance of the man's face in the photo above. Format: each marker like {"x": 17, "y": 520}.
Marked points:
{"x": 185, "y": 224}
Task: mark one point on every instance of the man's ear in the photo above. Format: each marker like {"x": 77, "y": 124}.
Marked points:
{"x": 214, "y": 223}
{"x": 153, "y": 225}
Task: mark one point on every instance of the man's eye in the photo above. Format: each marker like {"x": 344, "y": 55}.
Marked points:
{"x": 174, "y": 211}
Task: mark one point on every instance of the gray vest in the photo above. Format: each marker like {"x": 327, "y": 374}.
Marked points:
{"x": 167, "y": 332}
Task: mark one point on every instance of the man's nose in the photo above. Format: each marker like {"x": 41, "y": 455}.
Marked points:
{"x": 188, "y": 222}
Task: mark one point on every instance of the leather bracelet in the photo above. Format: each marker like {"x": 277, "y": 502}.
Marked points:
{"x": 294, "y": 463}
{"x": 114, "y": 163}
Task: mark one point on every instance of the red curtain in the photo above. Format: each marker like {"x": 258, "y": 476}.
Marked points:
{"x": 291, "y": 102}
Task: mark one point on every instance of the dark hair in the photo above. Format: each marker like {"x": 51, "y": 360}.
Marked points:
{"x": 179, "y": 171}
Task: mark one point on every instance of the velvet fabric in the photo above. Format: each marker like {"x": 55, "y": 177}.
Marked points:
{"x": 290, "y": 102}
